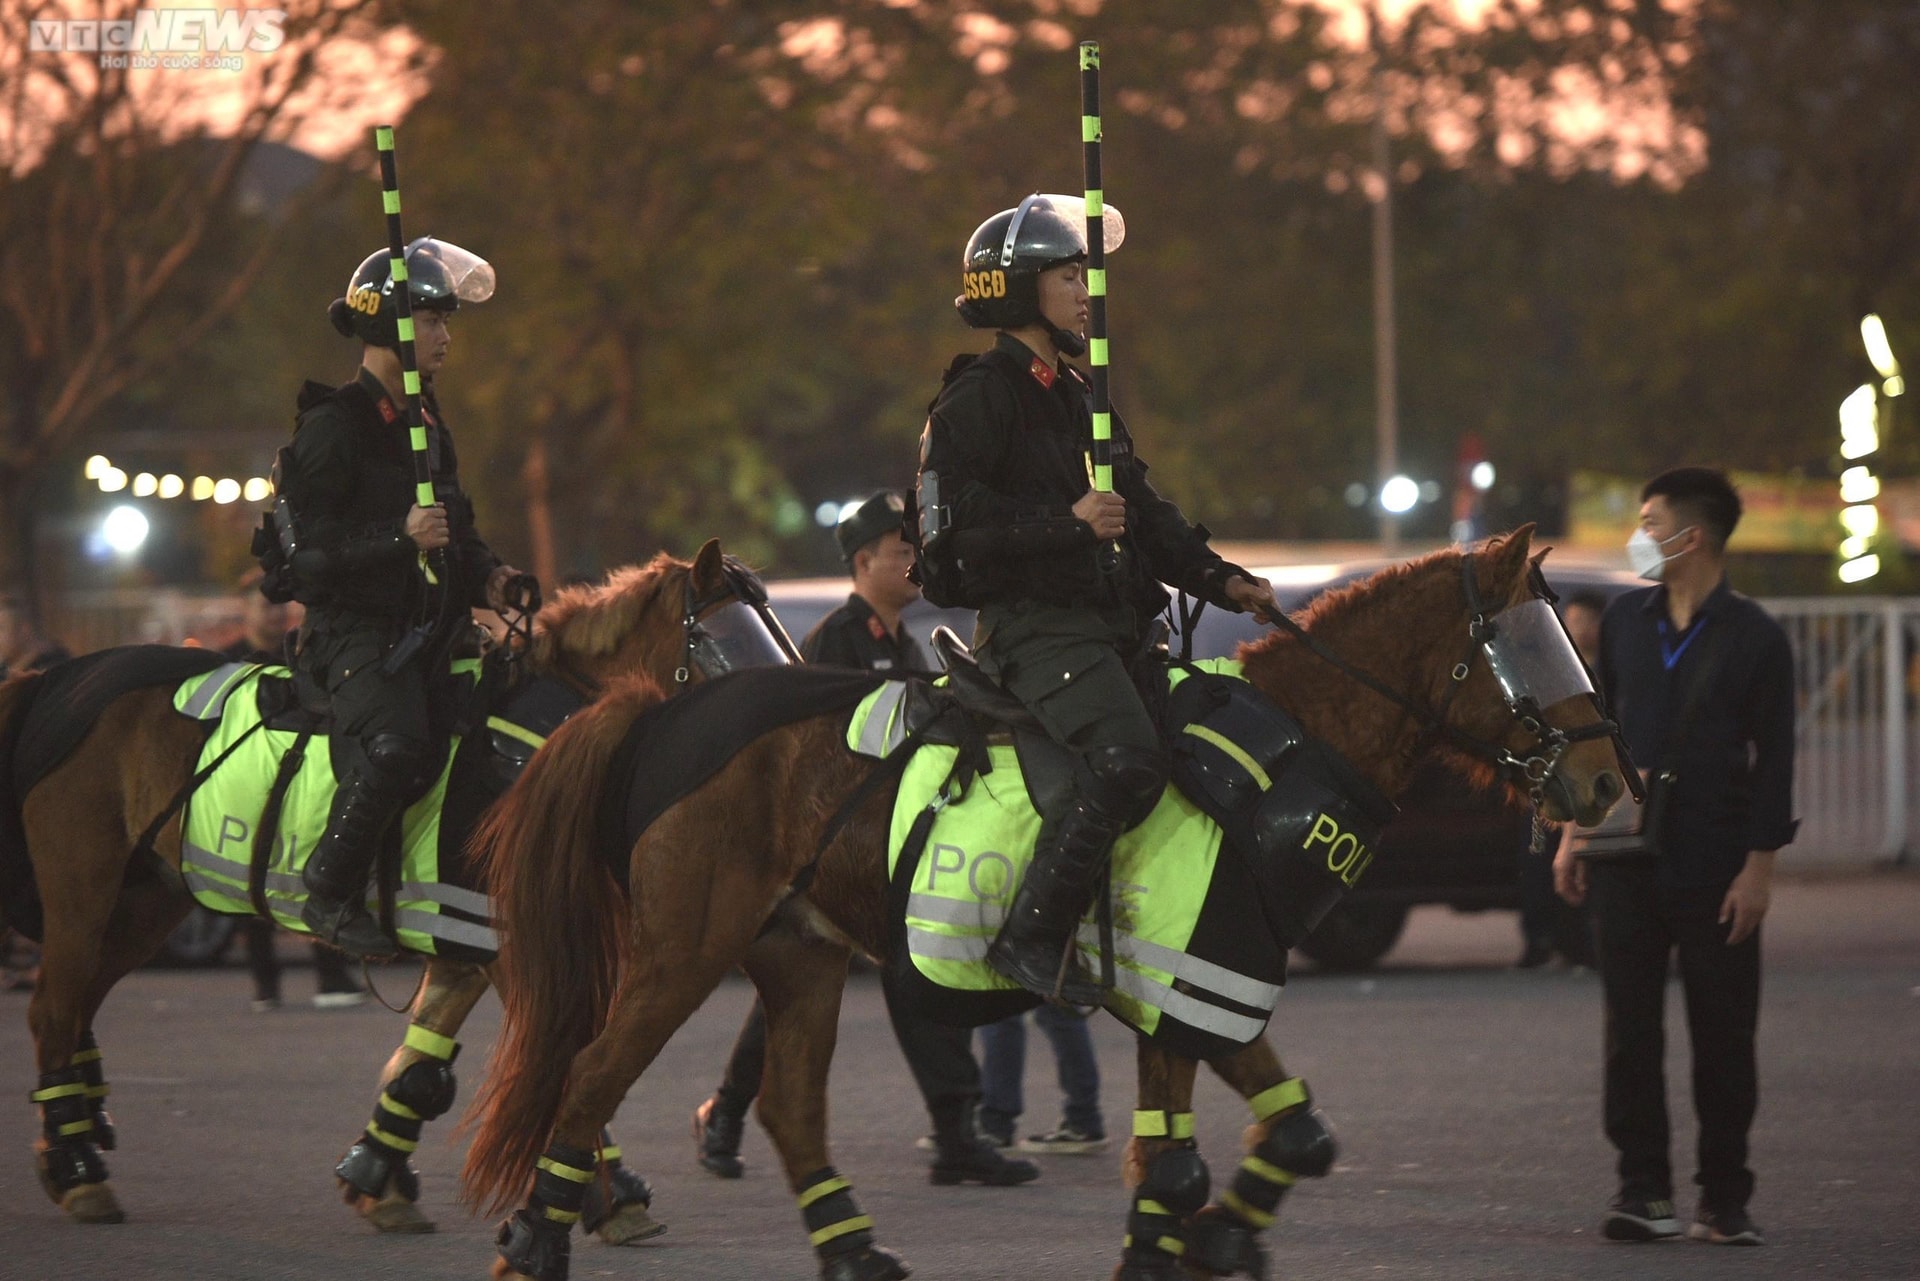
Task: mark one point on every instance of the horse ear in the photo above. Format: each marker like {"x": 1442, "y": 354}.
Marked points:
{"x": 708, "y": 567}
{"x": 1507, "y": 559}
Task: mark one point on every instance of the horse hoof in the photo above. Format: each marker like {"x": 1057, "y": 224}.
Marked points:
{"x": 92, "y": 1203}
{"x": 1164, "y": 1268}
{"x": 394, "y": 1214}
{"x": 503, "y": 1271}
{"x": 869, "y": 1263}
{"x": 630, "y": 1225}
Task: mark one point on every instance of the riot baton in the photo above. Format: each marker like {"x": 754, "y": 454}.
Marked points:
{"x": 430, "y": 563}
{"x": 1102, "y": 453}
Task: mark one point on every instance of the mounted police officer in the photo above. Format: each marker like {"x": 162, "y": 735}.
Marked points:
{"x": 352, "y": 545}
{"x": 1066, "y": 579}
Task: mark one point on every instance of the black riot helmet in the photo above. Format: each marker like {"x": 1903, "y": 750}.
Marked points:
{"x": 440, "y": 276}
{"x": 1000, "y": 272}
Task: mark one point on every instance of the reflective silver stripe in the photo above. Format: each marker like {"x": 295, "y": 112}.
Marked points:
{"x": 947, "y": 947}
{"x": 450, "y": 928}
{"x": 877, "y": 737}
{"x": 211, "y": 698}
{"x": 470, "y": 901}
{"x": 953, "y": 911}
{"x": 1207, "y": 975}
{"x": 1208, "y": 1018}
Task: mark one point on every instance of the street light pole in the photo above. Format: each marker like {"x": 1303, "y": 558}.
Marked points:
{"x": 1386, "y": 425}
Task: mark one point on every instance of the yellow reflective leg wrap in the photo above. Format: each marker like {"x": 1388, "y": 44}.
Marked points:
{"x": 560, "y": 1180}
{"x": 431, "y": 1043}
{"x": 1162, "y": 1125}
{"x": 1271, "y": 1102}
{"x": 835, "y": 1225}
{"x": 87, "y": 1060}
{"x": 1175, "y": 1187}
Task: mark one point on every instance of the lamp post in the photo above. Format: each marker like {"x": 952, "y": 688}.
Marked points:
{"x": 1386, "y": 421}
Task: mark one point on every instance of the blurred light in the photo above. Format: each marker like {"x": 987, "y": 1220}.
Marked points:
{"x": 1356, "y": 495}
{"x": 1429, "y": 491}
{"x": 1859, "y": 423}
{"x": 1894, "y": 386}
{"x": 96, "y": 467}
{"x": 1461, "y": 531}
{"x": 171, "y": 486}
{"x": 1481, "y": 475}
{"x": 1854, "y": 545}
{"x": 827, "y": 515}
{"x": 847, "y": 509}
{"x": 1858, "y": 485}
{"x": 1399, "y": 494}
{"x": 145, "y": 484}
{"x": 225, "y": 490}
{"x": 112, "y": 480}
{"x": 202, "y": 488}
{"x": 125, "y": 529}
{"x": 1855, "y": 571}
{"x": 1879, "y": 350}
{"x": 256, "y": 489}
{"x": 1862, "y": 521}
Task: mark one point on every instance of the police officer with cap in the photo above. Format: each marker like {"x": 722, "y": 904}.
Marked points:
{"x": 867, "y": 631}
{"x": 1067, "y": 579}
{"x": 350, "y": 543}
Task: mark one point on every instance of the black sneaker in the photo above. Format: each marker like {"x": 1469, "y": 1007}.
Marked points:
{"x": 1725, "y": 1227}
{"x": 1637, "y": 1219}
{"x": 716, "y": 1140}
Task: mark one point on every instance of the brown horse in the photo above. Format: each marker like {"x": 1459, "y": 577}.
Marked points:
{"x": 106, "y": 911}
{"x": 594, "y": 980}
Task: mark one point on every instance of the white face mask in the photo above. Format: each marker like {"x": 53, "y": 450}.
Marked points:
{"x": 1645, "y": 556}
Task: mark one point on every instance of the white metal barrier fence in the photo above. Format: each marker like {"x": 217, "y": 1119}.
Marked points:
{"x": 1854, "y": 769}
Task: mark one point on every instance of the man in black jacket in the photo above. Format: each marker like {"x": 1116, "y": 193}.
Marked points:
{"x": 1700, "y": 679}
{"x": 356, "y": 543}
{"x": 1066, "y": 578}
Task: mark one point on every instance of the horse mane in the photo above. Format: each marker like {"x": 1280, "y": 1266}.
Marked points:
{"x": 1415, "y": 589}
{"x": 591, "y": 620}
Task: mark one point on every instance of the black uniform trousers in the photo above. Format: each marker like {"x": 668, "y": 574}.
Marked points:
{"x": 940, "y": 1056}
{"x": 1639, "y": 925}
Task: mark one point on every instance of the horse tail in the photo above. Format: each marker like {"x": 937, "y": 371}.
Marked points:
{"x": 16, "y": 869}
{"x": 564, "y": 934}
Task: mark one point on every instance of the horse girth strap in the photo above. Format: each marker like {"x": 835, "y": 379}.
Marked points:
{"x": 148, "y": 835}
{"x": 269, "y": 826}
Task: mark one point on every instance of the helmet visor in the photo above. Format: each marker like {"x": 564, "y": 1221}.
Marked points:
{"x": 1533, "y": 657}
{"x": 1113, "y": 227}
{"x": 469, "y": 277}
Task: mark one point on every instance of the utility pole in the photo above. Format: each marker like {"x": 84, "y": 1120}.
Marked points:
{"x": 1386, "y": 423}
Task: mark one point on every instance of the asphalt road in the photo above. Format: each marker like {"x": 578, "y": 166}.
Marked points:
{"x": 1465, "y": 1095}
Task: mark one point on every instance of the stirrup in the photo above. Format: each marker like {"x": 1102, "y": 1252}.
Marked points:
{"x": 349, "y": 927}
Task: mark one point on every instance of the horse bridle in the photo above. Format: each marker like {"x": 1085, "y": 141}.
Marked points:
{"x": 1542, "y": 763}
{"x": 718, "y": 647}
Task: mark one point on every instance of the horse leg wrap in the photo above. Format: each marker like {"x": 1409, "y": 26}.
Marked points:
{"x": 68, "y": 1157}
{"x": 87, "y": 1059}
{"x": 842, "y": 1237}
{"x": 418, "y": 1095}
{"x": 612, "y": 1191}
{"x": 535, "y": 1241}
{"x": 1175, "y": 1186}
{"x": 1298, "y": 1145}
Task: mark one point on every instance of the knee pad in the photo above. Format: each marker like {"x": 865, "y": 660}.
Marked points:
{"x": 424, "y": 1091}
{"x": 427, "y": 1087}
{"x": 1301, "y": 1144}
{"x": 396, "y": 761}
{"x": 1123, "y": 783}
{"x": 1178, "y": 1180}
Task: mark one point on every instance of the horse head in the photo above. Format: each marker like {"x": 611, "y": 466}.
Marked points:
{"x": 671, "y": 619}
{"x": 1458, "y": 652}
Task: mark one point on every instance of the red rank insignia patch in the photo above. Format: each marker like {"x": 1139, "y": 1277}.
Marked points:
{"x": 1042, "y": 372}
{"x": 878, "y": 628}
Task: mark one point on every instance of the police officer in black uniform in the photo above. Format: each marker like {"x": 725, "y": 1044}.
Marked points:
{"x": 867, "y": 632}
{"x": 351, "y": 544}
{"x": 1066, "y": 578}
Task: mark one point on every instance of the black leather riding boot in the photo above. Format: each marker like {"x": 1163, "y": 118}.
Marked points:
{"x": 336, "y": 875}
{"x": 1035, "y": 939}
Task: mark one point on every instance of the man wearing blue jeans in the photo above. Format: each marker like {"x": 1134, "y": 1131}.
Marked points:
{"x": 1004, "y": 1062}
